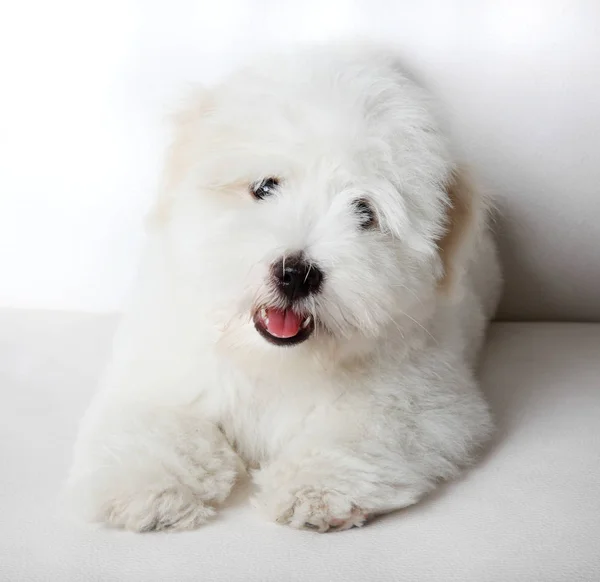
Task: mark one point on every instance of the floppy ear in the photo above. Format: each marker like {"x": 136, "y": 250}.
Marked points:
{"x": 464, "y": 220}
{"x": 185, "y": 126}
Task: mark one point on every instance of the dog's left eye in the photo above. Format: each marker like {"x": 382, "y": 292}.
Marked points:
{"x": 366, "y": 215}
{"x": 264, "y": 188}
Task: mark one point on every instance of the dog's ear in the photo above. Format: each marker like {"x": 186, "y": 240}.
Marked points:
{"x": 179, "y": 158}
{"x": 464, "y": 218}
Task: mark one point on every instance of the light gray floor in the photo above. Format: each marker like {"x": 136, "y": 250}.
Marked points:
{"x": 529, "y": 512}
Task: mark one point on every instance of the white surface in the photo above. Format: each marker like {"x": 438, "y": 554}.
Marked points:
{"x": 84, "y": 87}
{"x": 528, "y": 512}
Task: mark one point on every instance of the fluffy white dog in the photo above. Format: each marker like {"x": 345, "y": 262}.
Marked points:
{"x": 310, "y": 306}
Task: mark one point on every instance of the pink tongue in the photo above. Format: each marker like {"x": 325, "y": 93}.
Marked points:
{"x": 282, "y": 323}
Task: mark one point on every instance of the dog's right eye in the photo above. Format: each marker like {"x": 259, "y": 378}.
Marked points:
{"x": 264, "y": 188}
{"x": 366, "y": 215}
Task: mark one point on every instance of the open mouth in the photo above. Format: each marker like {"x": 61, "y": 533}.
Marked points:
{"x": 283, "y": 327}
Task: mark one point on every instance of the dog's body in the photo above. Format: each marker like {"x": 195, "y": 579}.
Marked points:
{"x": 309, "y": 202}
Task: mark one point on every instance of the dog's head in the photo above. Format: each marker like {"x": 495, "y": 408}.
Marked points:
{"x": 307, "y": 201}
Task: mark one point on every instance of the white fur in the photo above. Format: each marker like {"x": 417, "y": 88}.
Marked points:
{"x": 380, "y": 403}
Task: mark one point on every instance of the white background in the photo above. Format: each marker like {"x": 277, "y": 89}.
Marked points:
{"x": 84, "y": 87}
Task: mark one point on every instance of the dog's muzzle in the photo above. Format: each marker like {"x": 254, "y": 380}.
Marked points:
{"x": 295, "y": 279}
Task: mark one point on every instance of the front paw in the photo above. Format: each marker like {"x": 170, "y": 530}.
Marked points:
{"x": 152, "y": 499}
{"x": 316, "y": 509}
{"x": 167, "y": 474}
{"x": 174, "y": 508}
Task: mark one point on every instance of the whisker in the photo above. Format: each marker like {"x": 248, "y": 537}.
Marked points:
{"x": 308, "y": 272}
{"x": 421, "y": 326}
{"x": 411, "y": 291}
{"x": 397, "y": 325}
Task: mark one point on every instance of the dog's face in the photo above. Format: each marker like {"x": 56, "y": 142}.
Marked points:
{"x": 306, "y": 205}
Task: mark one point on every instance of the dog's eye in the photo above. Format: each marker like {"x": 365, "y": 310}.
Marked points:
{"x": 264, "y": 188}
{"x": 365, "y": 213}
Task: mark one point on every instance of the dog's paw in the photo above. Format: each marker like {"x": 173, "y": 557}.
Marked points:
{"x": 158, "y": 471}
{"x": 145, "y": 503}
{"x": 152, "y": 500}
{"x": 318, "y": 510}
{"x": 173, "y": 509}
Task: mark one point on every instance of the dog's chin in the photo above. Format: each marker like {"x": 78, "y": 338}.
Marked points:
{"x": 283, "y": 327}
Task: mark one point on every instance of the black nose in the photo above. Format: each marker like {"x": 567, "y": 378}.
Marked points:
{"x": 296, "y": 278}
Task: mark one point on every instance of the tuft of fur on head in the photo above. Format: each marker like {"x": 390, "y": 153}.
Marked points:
{"x": 359, "y": 130}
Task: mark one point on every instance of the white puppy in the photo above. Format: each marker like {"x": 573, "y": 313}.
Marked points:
{"x": 310, "y": 305}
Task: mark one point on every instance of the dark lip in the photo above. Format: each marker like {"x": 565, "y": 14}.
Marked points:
{"x": 300, "y": 337}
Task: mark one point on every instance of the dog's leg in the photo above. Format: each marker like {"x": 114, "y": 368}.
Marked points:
{"x": 149, "y": 468}
{"x": 329, "y": 488}
{"x": 375, "y": 451}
